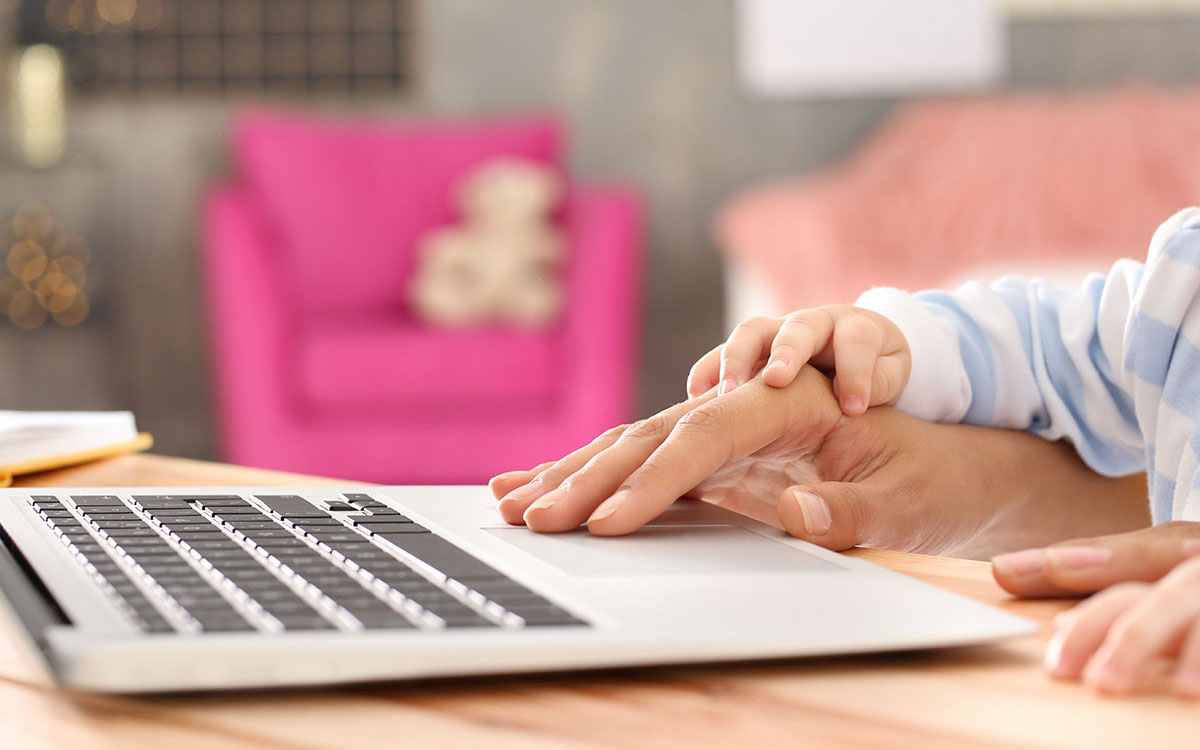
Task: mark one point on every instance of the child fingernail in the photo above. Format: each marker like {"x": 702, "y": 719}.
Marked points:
{"x": 1077, "y": 558}
{"x": 524, "y": 492}
{"x": 817, "y": 519}
{"x": 1053, "y": 660}
{"x": 1107, "y": 678}
{"x": 727, "y": 385}
{"x": 1187, "y": 682}
{"x": 546, "y": 501}
{"x": 1019, "y": 564}
{"x": 609, "y": 506}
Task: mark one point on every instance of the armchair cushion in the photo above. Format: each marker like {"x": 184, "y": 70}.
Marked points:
{"x": 353, "y": 363}
{"x": 347, "y": 202}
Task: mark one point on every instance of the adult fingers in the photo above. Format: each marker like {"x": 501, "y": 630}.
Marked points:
{"x": 1082, "y": 566}
{"x": 801, "y": 335}
{"x": 1080, "y": 631}
{"x": 578, "y": 495}
{"x": 857, "y": 342}
{"x": 829, "y": 514}
{"x": 703, "y": 375}
{"x": 1154, "y": 625}
{"x": 502, "y": 484}
{"x": 514, "y": 503}
{"x": 748, "y": 344}
{"x": 708, "y": 437}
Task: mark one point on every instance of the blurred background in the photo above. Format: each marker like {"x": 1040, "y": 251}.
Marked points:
{"x": 217, "y": 213}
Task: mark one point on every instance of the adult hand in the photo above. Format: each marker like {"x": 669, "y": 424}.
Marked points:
{"x": 883, "y": 479}
{"x": 1110, "y": 639}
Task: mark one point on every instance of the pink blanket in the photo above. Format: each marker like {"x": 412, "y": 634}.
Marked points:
{"x": 947, "y": 185}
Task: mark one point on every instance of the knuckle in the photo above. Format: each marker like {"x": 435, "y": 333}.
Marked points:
{"x": 651, "y": 428}
{"x": 612, "y": 433}
{"x": 858, "y": 330}
{"x": 800, "y": 320}
{"x": 750, "y": 325}
{"x": 706, "y": 418}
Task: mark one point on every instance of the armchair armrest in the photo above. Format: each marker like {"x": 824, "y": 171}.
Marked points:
{"x": 604, "y": 306}
{"x": 247, "y": 324}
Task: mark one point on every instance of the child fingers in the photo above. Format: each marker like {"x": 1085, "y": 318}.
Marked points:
{"x": 514, "y": 503}
{"x": 857, "y": 341}
{"x": 800, "y": 336}
{"x": 502, "y": 484}
{"x": 703, "y": 375}
{"x": 1149, "y": 628}
{"x": 749, "y": 343}
{"x": 1079, "y": 632}
{"x": 888, "y": 380}
{"x": 577, "y": 496}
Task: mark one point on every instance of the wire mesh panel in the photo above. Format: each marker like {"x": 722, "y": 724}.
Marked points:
{"x": 225, "y": 45}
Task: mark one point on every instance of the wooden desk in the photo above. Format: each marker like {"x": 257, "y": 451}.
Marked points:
{"x": 986, "y": 697}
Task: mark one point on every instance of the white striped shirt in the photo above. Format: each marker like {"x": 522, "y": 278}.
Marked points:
{"x": 1113, "y": 367}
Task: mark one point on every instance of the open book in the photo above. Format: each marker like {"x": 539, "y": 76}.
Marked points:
{"x": 32, "y": 441}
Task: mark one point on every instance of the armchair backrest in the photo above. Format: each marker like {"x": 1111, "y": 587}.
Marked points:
{"x": 346, "y": 201}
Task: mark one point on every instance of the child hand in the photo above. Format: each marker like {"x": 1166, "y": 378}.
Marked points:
{"x": 1111, "y": 640}
{"x": 867, "y": 352}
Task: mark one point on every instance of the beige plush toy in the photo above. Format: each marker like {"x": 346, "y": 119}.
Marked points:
{"x": 501, "y": 264}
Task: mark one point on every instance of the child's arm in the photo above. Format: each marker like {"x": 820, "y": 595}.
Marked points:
{"x": 1114, "y": 367}
{"x": 866, "y": 350}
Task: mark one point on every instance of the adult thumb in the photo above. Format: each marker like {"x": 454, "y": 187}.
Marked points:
{"x": 828, "y": 514}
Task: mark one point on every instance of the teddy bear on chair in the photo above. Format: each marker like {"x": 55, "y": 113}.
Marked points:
{"x": 501, "y": 263}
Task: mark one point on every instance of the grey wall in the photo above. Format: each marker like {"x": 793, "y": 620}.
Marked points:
{"x": 649, "y": 89}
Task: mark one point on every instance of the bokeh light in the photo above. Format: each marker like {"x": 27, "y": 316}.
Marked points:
{"x": 46, "y": 269}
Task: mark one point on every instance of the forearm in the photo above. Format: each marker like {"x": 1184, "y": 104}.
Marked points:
{"x": 1035, "y": 492}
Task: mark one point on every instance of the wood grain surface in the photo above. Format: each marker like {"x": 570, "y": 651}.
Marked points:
{"x": 983, "y": 697}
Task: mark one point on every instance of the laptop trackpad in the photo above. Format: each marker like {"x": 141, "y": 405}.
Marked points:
{"x": 664, "y": 550}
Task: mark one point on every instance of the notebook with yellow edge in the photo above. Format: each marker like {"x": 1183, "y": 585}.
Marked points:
{"x": 32, "y": 442}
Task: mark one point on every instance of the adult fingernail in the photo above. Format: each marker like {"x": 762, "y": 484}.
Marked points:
{"x": 1077, "y": 558}
{"x": 1018, "y": 564}
{"x": 609, "y": 506}
{"x": 817, "y": 519}
{"x": 777, "y": 364}
{"x": 852, "y": 404}
{"x": 727, "y": 385}
{"x": 1191, "y": 547}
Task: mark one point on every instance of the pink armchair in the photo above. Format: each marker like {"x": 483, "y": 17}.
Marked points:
{"x": 319, "y": 366}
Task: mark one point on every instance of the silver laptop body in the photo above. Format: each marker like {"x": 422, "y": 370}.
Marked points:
{"x": 181, "y": 589}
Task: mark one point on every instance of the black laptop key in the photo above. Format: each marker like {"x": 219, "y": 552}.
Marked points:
{"x": 292, "y": 506}
{"x": 395, "y": 528}
{"x": 97, "y": 500}
{"x": 217, "y": 501}
{"x": 441, "y": 554}
{"x": 160, "y": 501}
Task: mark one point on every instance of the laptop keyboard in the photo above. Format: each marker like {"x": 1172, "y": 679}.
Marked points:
{"x": 278, "y": 563}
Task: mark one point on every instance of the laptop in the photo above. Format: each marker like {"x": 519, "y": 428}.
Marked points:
{"x": 144, "y": 590}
